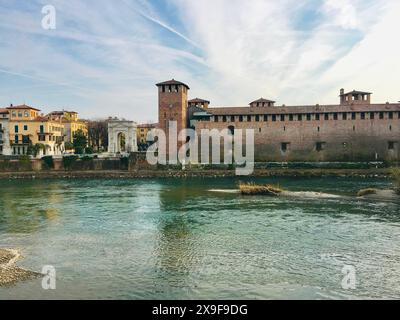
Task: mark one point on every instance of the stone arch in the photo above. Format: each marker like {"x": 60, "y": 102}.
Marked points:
{"x": 122, "y": 136}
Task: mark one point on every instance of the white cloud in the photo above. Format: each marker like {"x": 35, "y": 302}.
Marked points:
{"x": 107, "y": 56}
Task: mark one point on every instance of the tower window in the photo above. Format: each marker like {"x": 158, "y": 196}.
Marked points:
{"x": 318, "y": 129}
{"x": 317, "y": 117}
{"x": 282, "y": 117}
{"x": 216, "y": 119}
{"x": 248, "y": 118}
{"x": 362, "y": 115}
{"x": 285, "y": 146}
{"x": 257, "y": 118}
{"x": 274, "y": 117}
{"x": 224, "y": 119}
{"x": 335, "y": 116}
{"x": 290, "y": 117}
{"x": 240, "y": 118}
{"x": 353, "y": 116}
{"x": 308, "y": 116}
{"x": 381, "y": 115}
{"x": 326, "y": 116}
{"x": 391, "y": 145}
{"x": 390, "y": 115}
{"x": 265, "y": 117}
{"x": 344, "y": 116}
{"x": 372, "y": 115}
{"x": 320, "y": 146}
{"x": 300, "y": 117}
{"x": 232, "y": 118}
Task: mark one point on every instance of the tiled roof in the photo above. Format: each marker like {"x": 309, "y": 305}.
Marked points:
{"x": 355, "y": 92}
{"x": 303, "y": 109}
{"x": 2, "y": 110}
{"x": 197, "y": 100}
{"x": 261, "y": 100}
{"x": 172, "y": 82}
{"x": 23, "y": 106}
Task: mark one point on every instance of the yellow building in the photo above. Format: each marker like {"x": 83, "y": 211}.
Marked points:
{"x": 71, "y": 122}
{"x": 27, "y": 128}
{"x": 142, "y": 138}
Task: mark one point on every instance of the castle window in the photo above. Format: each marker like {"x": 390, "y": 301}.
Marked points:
{"x": 326, "y": 116}
{"x": 257, "y": 118}
{"x": 216, "y": 119}
{"x": 176, "y": 88}
{"x": 282, "y": 117}
{"x": 381, "y": 115}
{"x": 240, "y": 118}
{"x": 353, "y": 116}
{"x": 232, "y": 118}
{"x": 318, "y": 129}
{"x": 390, "y": 115}
{"x": 224, "y": 119}
{"x": 274, "y": 117}
{"x": 259, "y": 130}
{"x": 317, "y": 117}
{"x": 390, "y": 127}
{"x": 308, "y": 116}
{"x": 248, "y": 118}
{"x": 265, "y": 117}
{"x": 344, "y": 116}
{"x": 335, "y": 116}
{"x": 320, "y": 146}
{"x": 372, "y": 115}
{"x": 354, "y": 128}
{"x": 285, "y": 146}
{"x": 300, "y": 117}
{"x": 290, "y": 117}
{"x": 284, "y": 128}
{"x": 362, "y": 115}
{"x": 391, "y": 145}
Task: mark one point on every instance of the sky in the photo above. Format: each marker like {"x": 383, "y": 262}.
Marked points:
{"x": 104, "y": 57}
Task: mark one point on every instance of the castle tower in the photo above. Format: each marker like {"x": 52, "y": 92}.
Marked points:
{"x": 172, "y": 104}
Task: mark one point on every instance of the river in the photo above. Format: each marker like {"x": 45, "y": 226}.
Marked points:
{"x": 193, "y": 239}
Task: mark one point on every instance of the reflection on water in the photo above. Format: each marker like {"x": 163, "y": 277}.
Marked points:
{"x": 177, "y": 239}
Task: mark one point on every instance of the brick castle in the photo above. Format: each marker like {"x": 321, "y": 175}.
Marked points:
{"x": 353, "y": 130}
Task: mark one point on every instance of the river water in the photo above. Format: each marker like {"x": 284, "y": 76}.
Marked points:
{"x": 193, "y": 239}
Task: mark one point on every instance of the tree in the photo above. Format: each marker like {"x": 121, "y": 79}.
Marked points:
{"x": 80, "y": 142}
{"x": 69, "y": 146}
{"x": 36, "y": 148}
{"x": 98, "y": 134}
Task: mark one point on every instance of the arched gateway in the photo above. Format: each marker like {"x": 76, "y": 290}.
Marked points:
{"x": 122, "y": 136}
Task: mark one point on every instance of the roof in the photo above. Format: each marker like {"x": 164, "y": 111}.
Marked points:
{"x": 304, "y": 109}
{"x": 262, "y": 100}
{"x": 147, "y": 125}
{"x": 23, "y": 106}
{"x": 197, "y": 100}
{"x": 2, "y": 110}
{"x": 356, "y": 92}
{"x": 172, "y": 82}
{"x": 41, "y": 118}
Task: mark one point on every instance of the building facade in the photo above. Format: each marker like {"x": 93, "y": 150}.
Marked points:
{"x": 5, "y": 148}
{"x": 71, "y": 123}
{"x": 353, "y": 130}
{"x": 144, "y": 135}
{"x": 27, "y": 128}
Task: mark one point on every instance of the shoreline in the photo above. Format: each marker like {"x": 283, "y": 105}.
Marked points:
{"x": 149, "y": 174}
{"x": 10, "y": 274}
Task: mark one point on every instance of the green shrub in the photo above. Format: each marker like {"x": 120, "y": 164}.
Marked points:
{"x": 396, "y": 177}
{"x": 48, "y": 162}
{"x": 68, "y": 161}
{"x": 89, "y": 150}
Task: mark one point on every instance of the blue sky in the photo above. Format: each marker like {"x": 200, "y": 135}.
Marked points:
{"x": 104, "y": 57}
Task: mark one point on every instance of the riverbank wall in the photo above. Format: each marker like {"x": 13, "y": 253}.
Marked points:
{"x": 136, "y": 166}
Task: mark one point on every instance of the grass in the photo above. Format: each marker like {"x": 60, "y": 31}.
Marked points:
{"x": 396, "y": 176}
{"x": 365, "y": 192}
{"x": 254, "y": 189}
